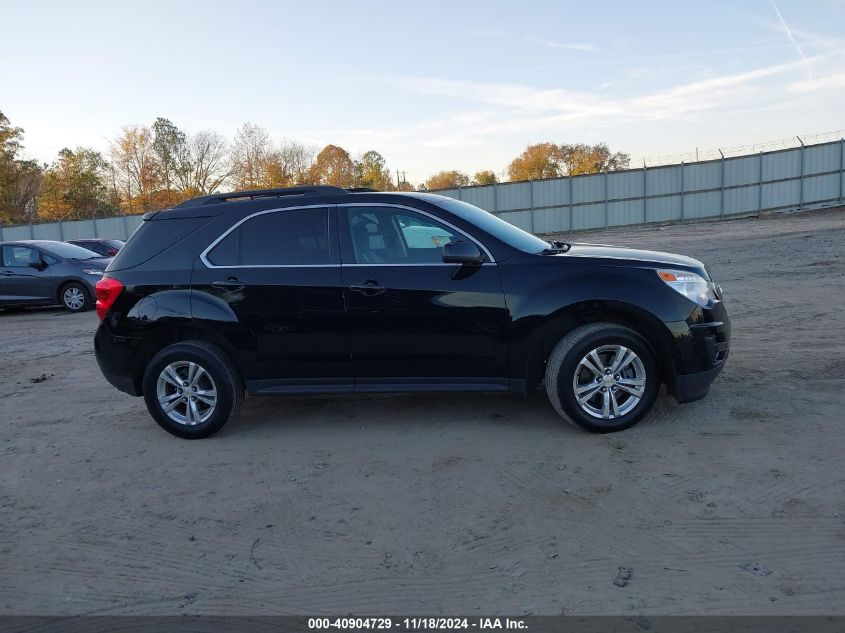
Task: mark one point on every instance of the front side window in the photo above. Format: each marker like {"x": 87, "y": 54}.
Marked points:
{"x": 20, "y": 256}
{"x": 298, "y": 237}
{"x": 384, "y": 235}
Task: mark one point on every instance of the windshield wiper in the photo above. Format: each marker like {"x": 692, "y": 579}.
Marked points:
{"x": 556, "y": 246}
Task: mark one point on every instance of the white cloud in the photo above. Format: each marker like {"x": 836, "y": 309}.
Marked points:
{"x": 572, "y": 46}
{"x": 792, "y": 39}
{"x": 831, "y": 82}
{"x": 561, "y": 105}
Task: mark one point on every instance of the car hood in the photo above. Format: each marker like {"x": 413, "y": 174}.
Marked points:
{"x": 604, "y": 251}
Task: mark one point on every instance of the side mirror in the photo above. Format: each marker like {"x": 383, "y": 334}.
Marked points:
{"x": 38, "y": 265}
{"x": 463, "y": 252}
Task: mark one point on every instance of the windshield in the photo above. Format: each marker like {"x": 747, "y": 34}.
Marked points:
{"x": 497, "y": 227}
{"x": 68, "y": 251}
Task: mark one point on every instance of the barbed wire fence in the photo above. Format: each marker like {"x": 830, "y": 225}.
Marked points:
{"x": 716, "y": 152}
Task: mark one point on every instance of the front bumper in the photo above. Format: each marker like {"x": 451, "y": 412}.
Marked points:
{"x": 692, "y": 387}
{"x": 703, "y": 344}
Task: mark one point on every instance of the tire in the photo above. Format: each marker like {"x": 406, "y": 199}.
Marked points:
{"x": 565, "y": 372}
{"x": 75, "y": 297}
{"x": 212, "y": 371}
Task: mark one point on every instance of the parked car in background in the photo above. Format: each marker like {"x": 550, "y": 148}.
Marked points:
{"x": 42, "y": 272}
{"x": 105, "y": 247}
{"x": 320, "y": 289}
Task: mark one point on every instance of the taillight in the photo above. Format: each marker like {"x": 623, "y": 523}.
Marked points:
{"x": 107, "y": 290}
{"x": 111, "y": 252}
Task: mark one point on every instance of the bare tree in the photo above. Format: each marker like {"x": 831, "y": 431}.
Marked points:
{"x": 288, "y": 164}
{"x": 135, "y": 163}
{"x": 250, "y": 153}
{"x": 204, "y": 164}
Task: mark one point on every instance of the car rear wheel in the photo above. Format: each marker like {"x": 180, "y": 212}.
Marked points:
{"x": 602, "y": 377}
{"x": 192, "y": 389}
{"x": 75, "y": 297}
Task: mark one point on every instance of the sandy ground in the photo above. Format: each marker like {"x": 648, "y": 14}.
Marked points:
{"x": 444, "y": 504}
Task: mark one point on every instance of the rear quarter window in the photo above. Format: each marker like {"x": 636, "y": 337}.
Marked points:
{"x": 153, "y": 237}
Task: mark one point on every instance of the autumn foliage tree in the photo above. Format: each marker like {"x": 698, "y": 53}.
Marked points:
{"x": 372, "y": 172}
{"x": 20, "y": 179}
{"x": 75, "y": 186}
{"x": 447, "y": 180}
{"x": 547, "y": 160}
{"x": 333, "y": 166}
{"x": 484, "y": 177}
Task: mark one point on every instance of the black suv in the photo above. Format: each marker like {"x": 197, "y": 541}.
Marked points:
{"x": 320, "y": 289}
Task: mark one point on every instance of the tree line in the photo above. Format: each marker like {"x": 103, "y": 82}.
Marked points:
{"x": 155, "y": 167}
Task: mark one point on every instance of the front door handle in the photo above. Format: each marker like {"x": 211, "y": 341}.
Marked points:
{"x": 232, "y": 284}
{"x": 369, "y": 288}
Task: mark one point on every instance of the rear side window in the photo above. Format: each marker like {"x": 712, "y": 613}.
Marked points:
{"x": 153, "y": 237}
{"x": 299, "y": 237}
{"x": 20, "y": 256}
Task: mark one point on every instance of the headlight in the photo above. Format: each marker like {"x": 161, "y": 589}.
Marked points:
{"x": 93, "y": 271}
{"x": 693, "y": 287}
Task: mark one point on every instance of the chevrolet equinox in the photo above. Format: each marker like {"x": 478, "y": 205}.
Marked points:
{"x": 328, "y": 290}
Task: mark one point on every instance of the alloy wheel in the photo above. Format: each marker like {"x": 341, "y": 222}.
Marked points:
{"x": 609, "y": 382}
{"x": 186, "y": 393}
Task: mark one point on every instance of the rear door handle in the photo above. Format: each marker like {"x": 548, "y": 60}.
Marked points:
{"x": 8, "y": 273}
{"x": 233, "y": 284}
{"x": 369, "y": 288}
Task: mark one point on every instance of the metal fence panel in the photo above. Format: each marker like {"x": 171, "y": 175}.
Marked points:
{"x": 780, "y": 165}
{"x": 78, "y": 229}
{"x": 781, "y": 194}
{"x": 552, "y": 220}
{"x": 741, "y": 200}
{"x": 588, "y": 188}
{"x": 821, "y": 158}
{"x": 703, "y": 176}
{"x": 625, "y": 184}
{"x": 110, "y": 228}
{"x": 588, "y": 216}
{"x": 742, "y": 171}
{"x": 51, "y": 231}
{"x": 515, "y": 195}
{"x": 624, "y": 212}
{"x": 663, "y": 209}
{"x": 547, "y": 193}
{"x": 703, "y": 204}
{"x": 484, "y": 197}
{"x": 821, "y": 188}
{"x": 663, "y": 180}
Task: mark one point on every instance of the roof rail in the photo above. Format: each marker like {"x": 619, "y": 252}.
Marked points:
{"x": 234, "y": 196}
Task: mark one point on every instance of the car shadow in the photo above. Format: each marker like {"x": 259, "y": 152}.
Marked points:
{"x": 344, "y": 411}
{"x": 32, "y": 310}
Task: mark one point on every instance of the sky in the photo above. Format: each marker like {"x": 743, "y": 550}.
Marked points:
{"x": 430, "y": 85}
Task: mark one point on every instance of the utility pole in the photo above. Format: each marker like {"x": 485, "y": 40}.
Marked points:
{"x": 397, "y": 179}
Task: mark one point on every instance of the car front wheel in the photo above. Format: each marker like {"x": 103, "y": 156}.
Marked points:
{"x": 602, "y": 377}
